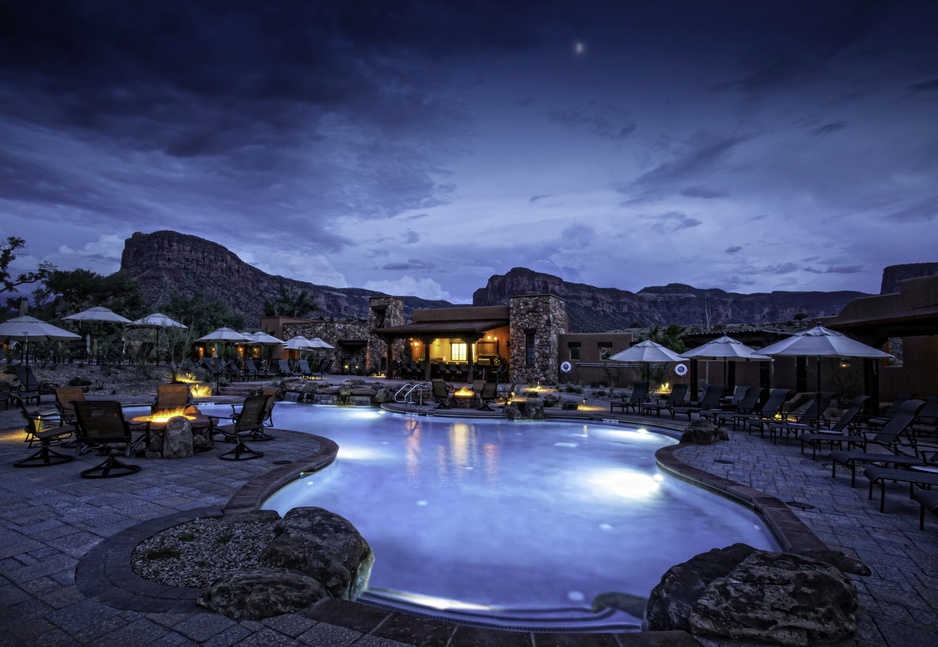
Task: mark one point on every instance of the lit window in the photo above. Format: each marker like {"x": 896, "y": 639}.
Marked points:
{"x": 457, "y": 351}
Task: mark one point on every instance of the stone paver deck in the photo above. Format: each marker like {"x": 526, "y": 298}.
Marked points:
{"x": 65, "y": 579}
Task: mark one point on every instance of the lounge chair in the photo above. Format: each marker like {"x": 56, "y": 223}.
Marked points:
{"x": 764, "y": 415}
{"x": 38, "y": 430}
{"x": 926, "y": 422}
{"x": 926, "y": 476}
{"x": 634, "y": 401}
{"x": 811, "y": 418}
{"x": 283, "y": 368}
{"x": 170, "y": 397}
{"x": 885, "y": 441}
{"x": 710, "y": 400}
{"x": 102, "y": 424}
{"x": 928, "y": 500}
{"x": 304, "y": 368}
{"x": 875, "y": 422}
{"x": 249, "y": 421}
{"x": 673, "y": 399}
{"x": 324, "y": 367}
{"x": 748, "y": 402}
{"x": 838, "y": 433}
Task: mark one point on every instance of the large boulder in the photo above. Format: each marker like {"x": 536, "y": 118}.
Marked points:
{"x": 177, "y": 438}
{"x": 670, "y": 602}
{"x": 702, "y": 432}
{"x": 257, "y": 593}
{"x": 778, "y": 598}
{"x": 324, "y": 546}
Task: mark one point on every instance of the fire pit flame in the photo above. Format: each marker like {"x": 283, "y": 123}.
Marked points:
{"x": 165, "y": 415}
{"x": 463, "y": 392}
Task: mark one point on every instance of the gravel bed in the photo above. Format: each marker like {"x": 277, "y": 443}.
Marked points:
{"x": 197, "y": 552}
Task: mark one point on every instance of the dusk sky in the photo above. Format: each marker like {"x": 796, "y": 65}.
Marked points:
{"x": 417, "y": 148}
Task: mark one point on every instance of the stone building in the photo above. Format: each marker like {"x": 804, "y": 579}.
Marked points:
{"x": 517, "y": 342}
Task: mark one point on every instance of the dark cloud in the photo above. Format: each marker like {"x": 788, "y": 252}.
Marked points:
{"x": 827, "y": 129}
{"x": 926, "y": 209}
{"x": 673, "y": 221}
{"x": 733, "y": 249}
{"x": 410, "y": 264}
{"x": 600, "y": 120}
{"x": 704, "y": 192}
{"x": 537, "y": 198}
{"x": 837, "y": 269}
{"x": 697, "y": 158}
{"x": 781, "y": 268}
{"x": 925, "y": 86}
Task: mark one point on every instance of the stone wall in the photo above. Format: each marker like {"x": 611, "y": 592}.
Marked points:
{"x": 546, "y": 316}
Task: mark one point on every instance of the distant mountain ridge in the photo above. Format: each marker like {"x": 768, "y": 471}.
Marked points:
{"x": 592, "y": 309}
{"x": 167, "y": 263}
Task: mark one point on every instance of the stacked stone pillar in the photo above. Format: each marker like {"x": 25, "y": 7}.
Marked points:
{"x": 542, "y": 317}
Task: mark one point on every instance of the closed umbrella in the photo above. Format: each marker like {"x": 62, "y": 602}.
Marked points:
{"x": 647, "y": 353}
{"x": 26, "y": 328}
{"x": 821, "y": 342}
{"x": 727, "y": 349}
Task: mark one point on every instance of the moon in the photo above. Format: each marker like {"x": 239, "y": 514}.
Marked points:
{"x": 579, "y": 47}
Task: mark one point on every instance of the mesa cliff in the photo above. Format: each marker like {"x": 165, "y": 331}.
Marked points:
{"x": 592, "y": 309}
{"x": 167, "y": 263}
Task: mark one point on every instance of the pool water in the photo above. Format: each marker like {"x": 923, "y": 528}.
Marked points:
{"x": 495, "y": 518}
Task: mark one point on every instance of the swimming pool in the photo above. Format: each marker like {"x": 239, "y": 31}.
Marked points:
{"x": 506, "y": 522}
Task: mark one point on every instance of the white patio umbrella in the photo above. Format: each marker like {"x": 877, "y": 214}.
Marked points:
{"x": 298, "y": 343}
{"x": 316, "y": 342}
{"x": 261, "y": 338}
{"x": 821, "y": 342}
{"x": 647, "y": 353}
{"x": 157, "y": 320}
{"x": 26, "y": 328}
{"x": 727, "y": 349}
{"x": 225, "y": 335}
{"x": 98, "y": 314}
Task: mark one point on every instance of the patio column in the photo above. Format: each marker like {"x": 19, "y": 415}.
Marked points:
{"x": 427, "y": 342}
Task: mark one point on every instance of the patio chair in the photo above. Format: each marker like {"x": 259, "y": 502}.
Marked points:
{"x": 171, "y": 396}
{"x": 29, "y": 387}
{"x": 487, "y": 395}
{"x": 102, "y": 424}
{"x": 324, "y": 366}
{"x": 710, "y": 400}
{"x": 440, "y": 393}
{"x": 885, "y": 444}
{"x": 505, "y": 398}
{"x": 46, "y": 432}
{"x": 838, "y": 433}
{"x": 65, "y": 397}
{"x": 812, "y": 417}
{"x": 634, "y": 401}
{"x": 675, "y": 398}
{"x": 249, "y": 421}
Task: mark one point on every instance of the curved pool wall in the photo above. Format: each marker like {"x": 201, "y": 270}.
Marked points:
{"x": 510, "y": 523}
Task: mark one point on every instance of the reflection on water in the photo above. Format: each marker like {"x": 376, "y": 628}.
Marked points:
{"x": 412, "y": 450}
